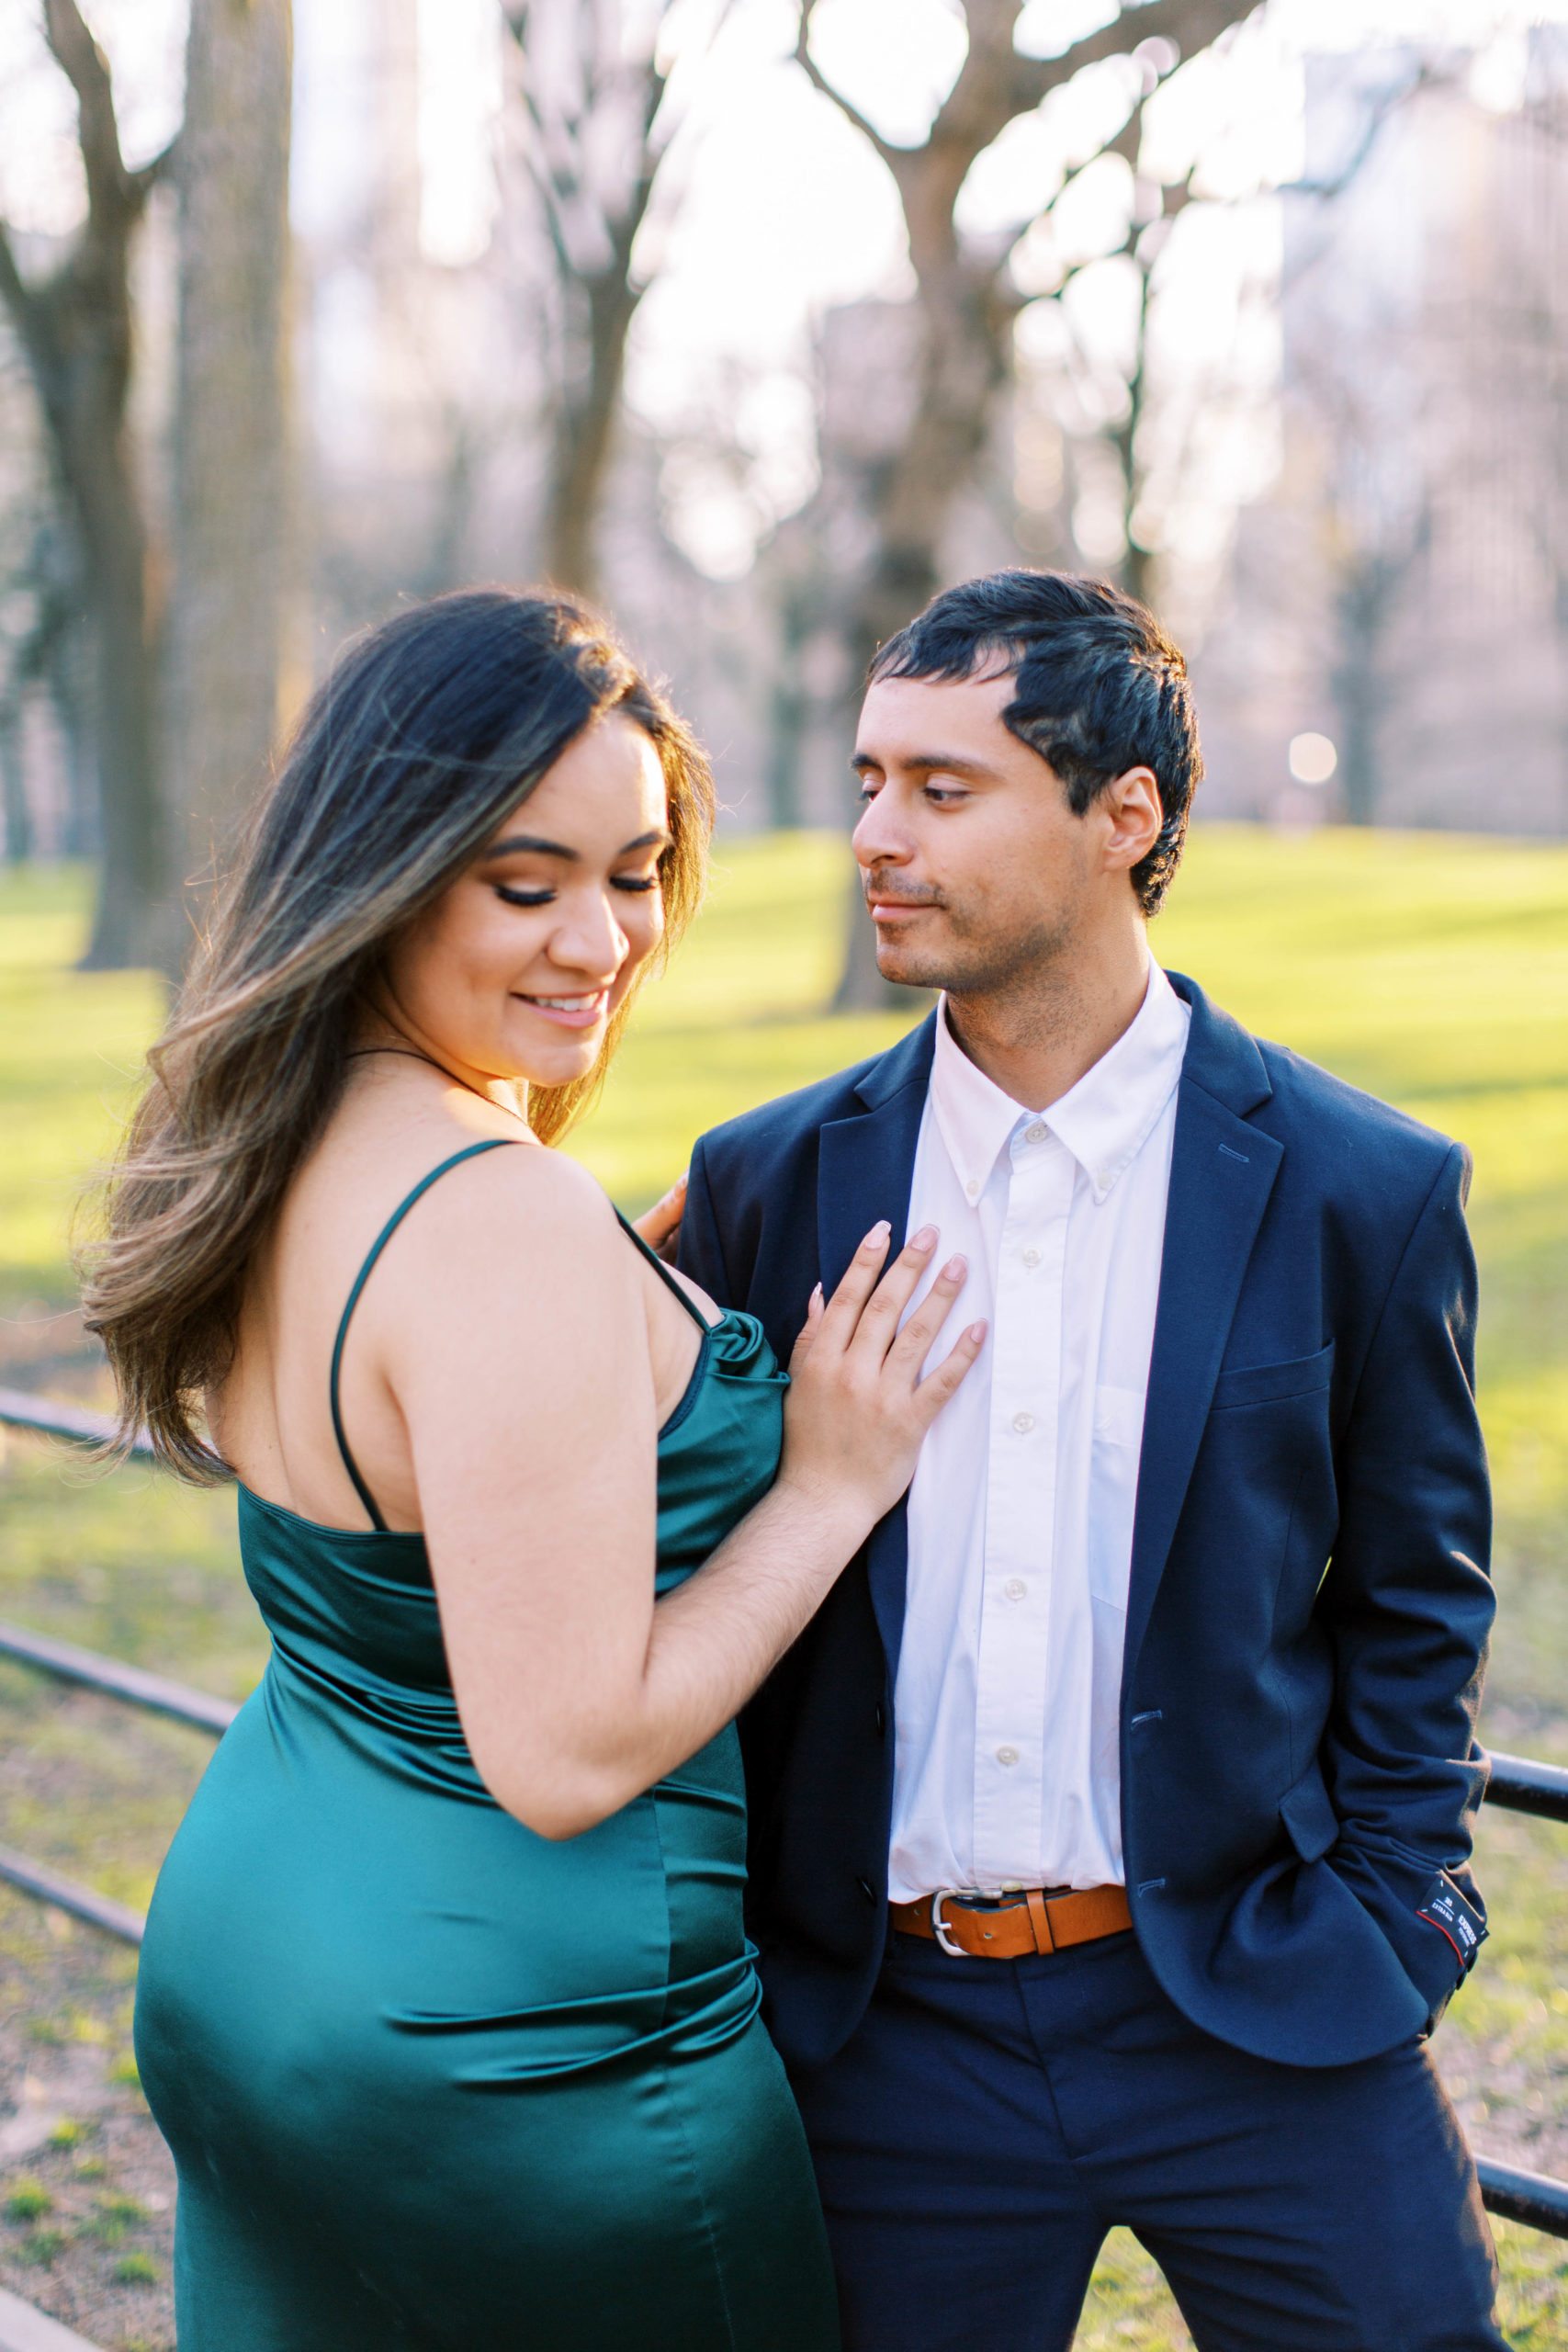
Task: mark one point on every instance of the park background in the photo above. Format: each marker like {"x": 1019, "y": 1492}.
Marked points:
{"x": 757, "y": 324}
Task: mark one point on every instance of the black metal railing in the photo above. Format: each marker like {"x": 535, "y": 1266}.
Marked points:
{"x": 1517, "y": 1784}
{"x": 74, "y": 1422}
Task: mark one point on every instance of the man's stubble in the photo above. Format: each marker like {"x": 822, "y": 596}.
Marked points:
{"x": 983, "y": 960}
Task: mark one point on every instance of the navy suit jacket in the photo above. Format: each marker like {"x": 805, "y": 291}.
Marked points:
{"x": 1309, "y": 1604}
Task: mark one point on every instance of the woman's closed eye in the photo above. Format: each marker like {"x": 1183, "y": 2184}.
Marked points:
{"x": 515, "y": 896}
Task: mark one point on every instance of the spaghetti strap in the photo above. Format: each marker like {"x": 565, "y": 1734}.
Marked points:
{"x": 665, "y": 1276}
{"x": 470, "y": 1151}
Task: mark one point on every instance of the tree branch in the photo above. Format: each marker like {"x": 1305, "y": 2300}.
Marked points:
{"x": 14, "y": 291}
{"x": 87, "y": 69}
{"x": 1192, "y": 25}
{"x": 146, "y": 177}
{"x": 819, "y": 81}
{"x": 1387, "y": 103}
{"x": 657, "y": 147}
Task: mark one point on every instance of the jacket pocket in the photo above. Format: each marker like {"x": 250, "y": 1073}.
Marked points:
{"x": 1265, "y": 1383}
{"x": 1310, "y": 1818}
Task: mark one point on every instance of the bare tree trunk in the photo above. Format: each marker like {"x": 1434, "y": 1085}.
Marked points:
{"x": 582, "y": 439}
{"x": 1366, "y": 606}
{"x": 862, "y": 988}
{"x": 17, "y": 816}
{"x": 131, "y": 843}
{"x": 232, "y": 504}
{"x": 76, "y": 330}
{"x": 66, "y": 673}
{"x": 1136, "y": 564}
{"x": 592, "y": 218}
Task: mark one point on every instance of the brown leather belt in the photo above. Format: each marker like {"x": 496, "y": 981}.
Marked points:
{"x": 1032, "y": 1921}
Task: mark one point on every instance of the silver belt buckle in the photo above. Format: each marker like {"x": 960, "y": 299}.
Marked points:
{"x": 953, "y": 1951}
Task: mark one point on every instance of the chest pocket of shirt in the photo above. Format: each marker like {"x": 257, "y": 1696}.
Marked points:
{"x": 1113, "y": 1491}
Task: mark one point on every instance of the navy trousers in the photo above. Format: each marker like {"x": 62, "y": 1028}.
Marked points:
{"x": 989, "y": 2122}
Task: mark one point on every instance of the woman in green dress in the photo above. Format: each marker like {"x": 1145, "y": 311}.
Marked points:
{"x": 445, "y": 2006}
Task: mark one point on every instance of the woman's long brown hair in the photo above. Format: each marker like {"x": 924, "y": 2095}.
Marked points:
{"x": 426, "y": 735}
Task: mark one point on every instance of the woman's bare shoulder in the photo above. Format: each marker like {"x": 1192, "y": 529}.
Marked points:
{"x": 500, "y": 1214}
{"x": 524, "y": 1207}
{"x": 548, "y": 1184}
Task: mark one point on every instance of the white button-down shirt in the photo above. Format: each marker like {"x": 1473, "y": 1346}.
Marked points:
{"x": 1020, "y": 1514}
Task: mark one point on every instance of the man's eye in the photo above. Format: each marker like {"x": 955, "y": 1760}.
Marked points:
{"x": 945, "y": 792}
{"x": 523, "y": 897}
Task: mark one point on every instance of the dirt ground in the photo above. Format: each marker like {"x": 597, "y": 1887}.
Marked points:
{"x": 86, "y": 2185}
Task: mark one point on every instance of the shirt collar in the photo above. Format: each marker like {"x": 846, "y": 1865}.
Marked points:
{"x": 1104, "y": 1121}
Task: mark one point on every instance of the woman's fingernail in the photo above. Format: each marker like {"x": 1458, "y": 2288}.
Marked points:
{"x": 953, "y": 1267}
{"x": 879, "y": 1232}
{"x": 976, "y": 1332}
{"x": 925, "y": 1239}
{"x": 679, "y": 1185}
{"x": 817, "y": 1295}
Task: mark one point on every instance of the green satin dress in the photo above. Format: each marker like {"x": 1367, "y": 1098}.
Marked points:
{"x": 430, "y": 2080}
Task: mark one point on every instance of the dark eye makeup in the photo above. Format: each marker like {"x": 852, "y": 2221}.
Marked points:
{"x": 640, "y": 883}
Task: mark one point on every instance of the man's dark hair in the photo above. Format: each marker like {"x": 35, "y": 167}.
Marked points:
{"x": 1100, "y": 688}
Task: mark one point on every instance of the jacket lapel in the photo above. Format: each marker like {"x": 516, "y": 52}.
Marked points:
{"x": 865, "y": 1170}
{"x": 1222, "y": 1172}
{"x": 865, "y": 1165}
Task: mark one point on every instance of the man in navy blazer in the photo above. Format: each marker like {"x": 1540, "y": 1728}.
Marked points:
{"x": 1208, "y": 2016}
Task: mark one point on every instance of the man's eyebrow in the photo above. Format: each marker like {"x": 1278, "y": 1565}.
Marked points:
{"x": 949, "y": 763}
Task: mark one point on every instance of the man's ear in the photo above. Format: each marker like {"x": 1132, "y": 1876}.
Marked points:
{"x": 1131, "y": 802}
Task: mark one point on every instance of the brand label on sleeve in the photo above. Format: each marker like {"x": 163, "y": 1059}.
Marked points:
{"x": 1446, "y": 1910}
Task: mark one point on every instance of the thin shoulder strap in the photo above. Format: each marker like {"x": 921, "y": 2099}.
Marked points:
{"x": 665, "y": 1276}
{"x": 470, "y": 1151}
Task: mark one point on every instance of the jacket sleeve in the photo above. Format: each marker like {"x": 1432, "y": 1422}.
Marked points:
{"x": 1409, "y": 1604}
{"x": 701, "y": 1253}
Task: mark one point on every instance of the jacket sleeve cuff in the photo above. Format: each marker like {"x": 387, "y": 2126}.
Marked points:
{"x": 1435, "y": 1920}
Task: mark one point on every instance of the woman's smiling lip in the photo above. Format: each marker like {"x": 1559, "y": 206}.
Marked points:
{"x": 568, "y": 1011}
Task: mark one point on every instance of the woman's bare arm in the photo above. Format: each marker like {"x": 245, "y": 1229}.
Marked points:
{"x": 522, "y": 1378}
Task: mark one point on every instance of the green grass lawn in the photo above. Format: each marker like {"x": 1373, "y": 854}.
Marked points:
{"x": 1432, "y": 969}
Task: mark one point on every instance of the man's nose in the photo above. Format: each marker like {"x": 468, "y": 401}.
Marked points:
{"x": 879, "y": 839}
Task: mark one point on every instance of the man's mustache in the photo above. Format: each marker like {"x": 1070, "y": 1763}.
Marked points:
{"x": 874, "y": 888}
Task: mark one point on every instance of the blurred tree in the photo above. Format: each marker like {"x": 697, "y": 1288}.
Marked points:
{"x": 595, "y": 77}
{"x": 1151, "y": 215}
{"x": 45, "y": 592}
{"x": 230, "y": 521}
{"x": 1368, "y": 592}
{"x": 75, "y": 326}
{"x": 966, "y": 305}
{"x": 1362, "y": 398}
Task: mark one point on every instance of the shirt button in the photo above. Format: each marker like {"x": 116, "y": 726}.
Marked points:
{"x": 1015, "y": 1588}
{"x": 1007, "y": 1756}
{"x": 972, "y": 1188}
{"x": 1036, "y": 1134}
{"x": 1031, "y": 1257}
{"x": 1023, "y": 1423}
